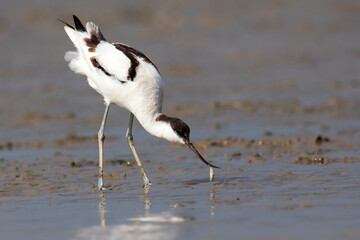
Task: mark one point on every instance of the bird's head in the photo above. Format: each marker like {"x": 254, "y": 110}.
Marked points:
{"x": 181, "y": 134}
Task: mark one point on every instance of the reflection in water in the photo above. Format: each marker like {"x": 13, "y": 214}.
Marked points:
{"x": 102, "y": 209}
{"x": 102, "y": 205}
{"x": 135, "y": 230}
{"x": 164, "y": 225}
{"x": 147, "y": 203}
{"x": 164, "y": 217}
{"x": 147, "y": 226}
{"x": 212, "y": 200}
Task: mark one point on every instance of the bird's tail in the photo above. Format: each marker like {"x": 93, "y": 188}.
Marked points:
{"x": 80, "y": 35}
{"x": 85, "y": 40}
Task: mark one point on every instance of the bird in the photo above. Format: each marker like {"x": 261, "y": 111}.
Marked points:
{"x": 127, "y": 78}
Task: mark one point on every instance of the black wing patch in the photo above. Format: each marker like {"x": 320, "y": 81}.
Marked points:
{"x": 131, "y": 53}
{"x": 78, "y": 25}
{"x": 95, "y": 37}
{"x": 96, "y": 64}
{"x": 133, "y": 60}
{"x": 66, "y": 24}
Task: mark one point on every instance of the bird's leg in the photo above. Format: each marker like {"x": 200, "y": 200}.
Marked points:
{"x": 130, "y": 139}
{"x": 101, "y": 139}
{"x": 211, "y": 174}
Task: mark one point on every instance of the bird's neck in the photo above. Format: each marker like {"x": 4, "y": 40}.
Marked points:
{"x": 158, "y": 127}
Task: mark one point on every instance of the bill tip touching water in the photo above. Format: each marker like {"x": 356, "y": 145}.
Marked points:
{"x": 127, "y": 78}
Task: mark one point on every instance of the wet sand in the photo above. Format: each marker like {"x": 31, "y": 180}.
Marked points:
{"x": 269, "y": 89}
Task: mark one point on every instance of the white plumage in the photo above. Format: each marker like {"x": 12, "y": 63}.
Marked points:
{"x": 126, "y": 77}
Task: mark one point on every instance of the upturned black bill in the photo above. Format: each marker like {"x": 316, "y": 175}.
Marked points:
{"x": 191, "y": 146}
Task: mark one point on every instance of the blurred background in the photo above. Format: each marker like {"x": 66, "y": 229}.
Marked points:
{"x": 207, "y": 51}
{"x": 269, "y": 88}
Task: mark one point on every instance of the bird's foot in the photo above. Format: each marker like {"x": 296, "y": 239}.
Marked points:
{"x": 147, "y": 183}
{"x": 101, "y": 185}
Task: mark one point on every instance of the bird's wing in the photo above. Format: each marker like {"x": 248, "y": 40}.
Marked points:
{"x": 122, "y": 61}
{"x": 95, "y": 53}
{"x": 114, "y": 62}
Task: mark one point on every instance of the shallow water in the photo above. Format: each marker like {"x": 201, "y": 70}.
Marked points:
{"x": 269, "y": 89}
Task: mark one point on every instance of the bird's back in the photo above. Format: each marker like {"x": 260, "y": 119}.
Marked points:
{"x": 122, "y": 74}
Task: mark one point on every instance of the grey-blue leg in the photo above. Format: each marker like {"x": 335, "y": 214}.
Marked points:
{"x": 130, "y": 139}
{"x": 101, "y": 139}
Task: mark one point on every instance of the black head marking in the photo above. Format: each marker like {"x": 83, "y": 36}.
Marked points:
{"x": 181, "y": 128}
{"x": 178, "y": 125}
{"x": 183, "y": 131}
